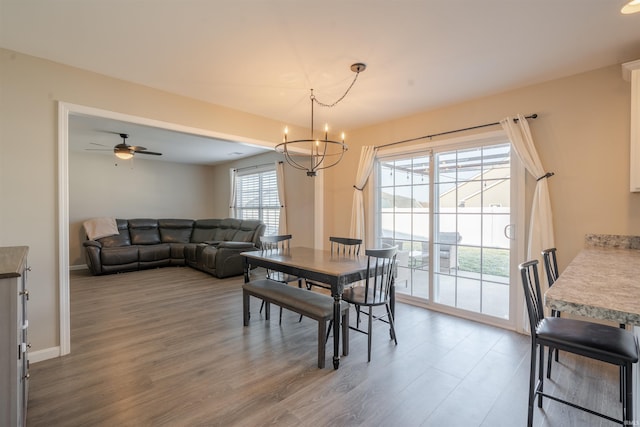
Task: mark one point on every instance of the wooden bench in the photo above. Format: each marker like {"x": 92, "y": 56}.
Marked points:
{"x": 307, "y": 303}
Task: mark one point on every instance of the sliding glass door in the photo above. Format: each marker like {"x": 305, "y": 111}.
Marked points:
{"x": 450, "y": 212}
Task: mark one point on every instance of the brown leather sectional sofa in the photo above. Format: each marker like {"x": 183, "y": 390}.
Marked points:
{"x": 211, "y": 245}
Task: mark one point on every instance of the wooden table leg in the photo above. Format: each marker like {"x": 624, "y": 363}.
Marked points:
{"x": 246, "y": 269}
{"x": 336, "y": 330}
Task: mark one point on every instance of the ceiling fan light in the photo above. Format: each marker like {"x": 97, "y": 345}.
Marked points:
{"x": 632, "y": 7}
{"x": 123, "y": 154}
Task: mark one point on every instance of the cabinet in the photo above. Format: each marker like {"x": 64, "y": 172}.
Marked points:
{"x": 14, "y": 361}
{"x": 631, "y": 72}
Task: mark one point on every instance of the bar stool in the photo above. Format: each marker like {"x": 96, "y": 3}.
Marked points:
{"x": 593, "y": 340}
{"x": 551, "y": 269}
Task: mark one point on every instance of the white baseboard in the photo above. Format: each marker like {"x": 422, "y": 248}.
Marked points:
{"x": 78, "y": 267}
{"x": 47, "y": 353}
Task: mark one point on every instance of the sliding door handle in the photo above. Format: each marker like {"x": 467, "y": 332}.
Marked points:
{"x": 507, "y": 231}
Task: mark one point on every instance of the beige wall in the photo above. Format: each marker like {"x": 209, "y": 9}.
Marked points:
{"x": 101, "y": 186}
{"x": 582, "y": 134}
{"x": 30, "y": 89}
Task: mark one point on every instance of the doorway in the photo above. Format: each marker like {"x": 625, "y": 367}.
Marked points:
{"x": 65, "y": 111}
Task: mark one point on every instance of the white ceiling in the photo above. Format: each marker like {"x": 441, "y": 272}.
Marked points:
{"x": 96, "y": 135}
{"x": 262, "y": 57}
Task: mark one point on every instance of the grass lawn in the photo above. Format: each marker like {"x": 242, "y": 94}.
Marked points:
{"x": 494, "y": 261}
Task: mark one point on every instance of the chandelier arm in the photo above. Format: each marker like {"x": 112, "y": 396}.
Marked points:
{"x": 315, "y": 161}
{"x": 334, "y": 163}
{"x": 297, "y": 165}
{"x": 289, "y": 158}
{"x": 293, "y": 163}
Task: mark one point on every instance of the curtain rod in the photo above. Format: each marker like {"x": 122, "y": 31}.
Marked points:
{"x": 255, "y": 166}
{"x": 531, "y": 116}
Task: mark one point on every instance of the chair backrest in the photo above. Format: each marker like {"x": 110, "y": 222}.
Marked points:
{"x": 533, "y": 297}
{"x": 383, "y": 262}
{"x": 278, "y": 242}
{"x": 550, "y": 265}
{"x": 345, "y": 246}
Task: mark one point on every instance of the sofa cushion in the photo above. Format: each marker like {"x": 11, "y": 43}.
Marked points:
{"x": 119, "y": 255}
{"x": 154, "y": 252}
{"x": 177, "y": 253}
{"x": 208, "y": 257}
{"x": 144, "y": 231}
{"x": 204, "y": 229}
{"x": 243, "y": 236}
{"x": 121, "y": 239}
{"x": 190, "y": 254}
{"x": 227, "y": 229}
{"x": 175, "y": 230}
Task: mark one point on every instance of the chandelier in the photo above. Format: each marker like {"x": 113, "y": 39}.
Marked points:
{"x": 314, "y": 154}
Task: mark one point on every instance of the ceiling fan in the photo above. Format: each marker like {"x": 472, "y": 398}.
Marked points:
{"x": 125, "y": 151}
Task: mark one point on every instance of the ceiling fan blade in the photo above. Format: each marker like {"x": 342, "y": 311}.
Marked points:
{"x": 153, "y": 153}
{"x": 95, "y": 143}
{"x": 98, "y": 149}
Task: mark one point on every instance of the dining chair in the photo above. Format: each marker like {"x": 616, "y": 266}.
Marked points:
{"x": 278, "y": 243}
{"x": 346, "y": 246}
{"x": 592, "y": 340}
{"x": 340, "y": 246}
{"x": 375, "y": 291}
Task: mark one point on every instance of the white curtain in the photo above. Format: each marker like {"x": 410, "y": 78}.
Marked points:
{"x": 282, "y": 226}
{"x": 233, "y": 175}
{"x": 541, "y": 222}
{"x": 365, "y": 167}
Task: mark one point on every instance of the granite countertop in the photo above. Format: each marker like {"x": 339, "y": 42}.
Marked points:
{"x": 12, "y": 261}
{"x": 602, "y": 282}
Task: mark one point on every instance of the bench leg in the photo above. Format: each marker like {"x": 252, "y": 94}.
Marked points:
{"x": 267, "y": 310}
{"x": 321, "y": 342}
{"x": 245, "y": 308}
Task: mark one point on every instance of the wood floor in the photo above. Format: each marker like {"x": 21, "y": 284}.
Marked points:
{"x": 167, "y": 347}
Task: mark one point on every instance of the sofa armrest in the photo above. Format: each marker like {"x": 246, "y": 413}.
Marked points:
{"x": 95, "y": 243}
{"x": 92, "y": 257}
{"x": 236, "y": 245}
{"x": 229, "y": 261}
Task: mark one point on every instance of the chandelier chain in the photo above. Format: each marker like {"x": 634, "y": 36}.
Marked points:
{"x": 322, "y": 104}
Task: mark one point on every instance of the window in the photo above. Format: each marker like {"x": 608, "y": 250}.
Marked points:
{"x": 257, "y": 198}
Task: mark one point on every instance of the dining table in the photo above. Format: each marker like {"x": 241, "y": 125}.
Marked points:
{"x": 337, "y": 271}
{"x": 603, "y": 282}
